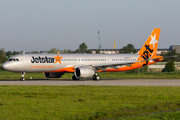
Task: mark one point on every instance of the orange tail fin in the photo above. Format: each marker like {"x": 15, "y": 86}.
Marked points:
{"x": 149, "y": 49}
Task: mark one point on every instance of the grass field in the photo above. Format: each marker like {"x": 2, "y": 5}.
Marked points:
{"x": 84, "y": 102}
{"x": 173, "y": 115}
{"x": 89, "y": 102}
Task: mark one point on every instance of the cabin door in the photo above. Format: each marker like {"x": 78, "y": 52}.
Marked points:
{"x": 26, "y": 60}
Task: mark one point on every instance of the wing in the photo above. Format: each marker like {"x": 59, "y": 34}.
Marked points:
{"x": 112, "y": 65}
{"x": 105, "y": 65}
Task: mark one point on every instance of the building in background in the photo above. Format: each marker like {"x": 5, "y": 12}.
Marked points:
{"x": 175, "y": 47}
{"x": 113, "y": 51}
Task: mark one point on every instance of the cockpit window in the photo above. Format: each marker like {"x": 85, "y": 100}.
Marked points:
{"x": 10, "y": 59}
{"x": 13, "y": 59}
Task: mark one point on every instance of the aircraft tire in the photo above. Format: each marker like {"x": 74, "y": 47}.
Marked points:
{"x": 74, "y": 77}
{"x": 22, "y": 79}
{"x": 96, "y": 77}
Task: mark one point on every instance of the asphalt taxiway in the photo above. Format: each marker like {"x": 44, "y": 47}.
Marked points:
{"x": 121, "y": 82}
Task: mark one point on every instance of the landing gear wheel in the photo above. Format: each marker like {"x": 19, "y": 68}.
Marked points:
{"x": 74, "y": 77}
{"x": 22, "y": 76}
{"x": 22, "y": 79}
{"x": 96, "y": 77}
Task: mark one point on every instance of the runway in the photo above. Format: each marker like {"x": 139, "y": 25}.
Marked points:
{"x": 122, "y": 82}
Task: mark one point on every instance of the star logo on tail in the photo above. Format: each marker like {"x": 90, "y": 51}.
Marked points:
{"x": 153, "y": 40}
{"x": 58, "y": 59}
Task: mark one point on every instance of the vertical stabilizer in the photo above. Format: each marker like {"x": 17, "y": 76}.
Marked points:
{"x": 149, "y": 49}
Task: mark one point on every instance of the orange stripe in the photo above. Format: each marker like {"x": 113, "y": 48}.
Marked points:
{"x": 68, "y": 69}
{"x": 125, "y": 68}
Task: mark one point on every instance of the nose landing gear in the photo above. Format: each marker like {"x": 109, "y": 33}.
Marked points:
{"x": 22, "y": 76}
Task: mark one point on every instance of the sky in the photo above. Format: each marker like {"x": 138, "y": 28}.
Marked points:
{"x": 40, "y": 25}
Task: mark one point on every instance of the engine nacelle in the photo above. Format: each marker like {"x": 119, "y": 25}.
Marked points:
{"x": 54, "y": 74}
{"x": 84, "y": 72}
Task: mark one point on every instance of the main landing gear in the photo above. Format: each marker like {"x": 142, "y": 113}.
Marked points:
{"x": 96, "y": 77}
{"x": 22, "y": 76}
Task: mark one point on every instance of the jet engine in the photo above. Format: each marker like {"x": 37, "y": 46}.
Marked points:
{"x": 54, "y": 74}
{"x": 84, "y": 72}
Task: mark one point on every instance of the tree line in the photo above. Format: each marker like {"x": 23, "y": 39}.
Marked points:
{"x": 5, "y": 55}
{"x": 83, "y": 48}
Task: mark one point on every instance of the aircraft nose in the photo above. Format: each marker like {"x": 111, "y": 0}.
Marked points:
{"x": 6, "y": 66}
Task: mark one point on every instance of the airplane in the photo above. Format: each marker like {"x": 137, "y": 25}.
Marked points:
{"x": 85, "y": 65}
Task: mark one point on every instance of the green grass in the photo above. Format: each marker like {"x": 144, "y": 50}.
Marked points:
{"x": 123, "y": 75}
{"x": 173, "y": 115}
{"x": 84, "y": 102}
{"x": 6, "y": 75}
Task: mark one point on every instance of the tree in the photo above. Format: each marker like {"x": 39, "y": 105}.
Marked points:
{"x": 125, "y": 50}
{"x": 97, "y": 51}
{"x": 53, "y": 50}
{"x": 131, "y": 46}
{"x": 21, "y": 52}
{"x": 168, "y": 54}
{"x": 82, "y": 48}
{"x": 15, "y": 52}
{"x": 169, "y": 67}
{"x": 2, "y": 55}
{"x": 128, "y": 49}
{"x": 9, "y": 54}
{"x": 88, "y": 51}
{"x": 34, "y": 51}
{"x": 67, "y": 51}
{"x": 76, "y": 51}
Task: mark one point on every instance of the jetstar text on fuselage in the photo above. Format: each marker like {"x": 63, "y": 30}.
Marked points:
{"x": 42, "y": 59}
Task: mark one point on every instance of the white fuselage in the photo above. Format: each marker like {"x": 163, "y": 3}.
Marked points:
{"x": 48, "y": 63}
